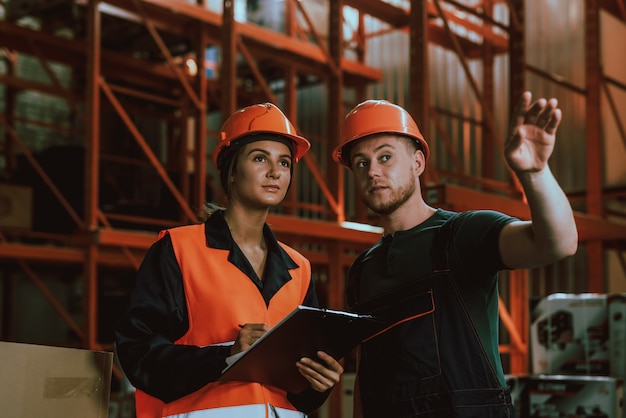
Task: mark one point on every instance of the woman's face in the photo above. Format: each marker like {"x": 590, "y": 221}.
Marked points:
{"x": 262, "y": 174}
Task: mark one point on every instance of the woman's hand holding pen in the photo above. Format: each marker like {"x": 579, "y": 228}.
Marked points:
{"x": 322, "y": 375}
{"x": 248, "y": 334}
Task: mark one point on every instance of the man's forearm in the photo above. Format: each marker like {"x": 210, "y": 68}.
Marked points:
{"x": 551, "y": 213}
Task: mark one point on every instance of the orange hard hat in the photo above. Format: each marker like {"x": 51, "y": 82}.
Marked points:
{"x": 373, "y": 117}
{"x": 259, "y": 119}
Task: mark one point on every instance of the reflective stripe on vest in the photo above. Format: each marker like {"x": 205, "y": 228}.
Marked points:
{"x": 248, "y": 411}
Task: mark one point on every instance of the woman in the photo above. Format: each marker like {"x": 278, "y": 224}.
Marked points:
{"x": 206, "y": 292}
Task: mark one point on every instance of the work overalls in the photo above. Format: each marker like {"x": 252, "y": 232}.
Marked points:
{"x": 429, "y": 361}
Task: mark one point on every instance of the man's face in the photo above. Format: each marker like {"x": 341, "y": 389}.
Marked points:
{"x": 384, "y": 171}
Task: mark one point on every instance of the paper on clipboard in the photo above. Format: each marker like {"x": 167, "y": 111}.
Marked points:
{"x": 271, "y": 360}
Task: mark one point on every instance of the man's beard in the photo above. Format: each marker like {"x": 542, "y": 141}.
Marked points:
{"x": 398, "y": 198}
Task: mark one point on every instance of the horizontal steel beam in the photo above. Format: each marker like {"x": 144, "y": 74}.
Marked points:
{"x": 590, "y": 227}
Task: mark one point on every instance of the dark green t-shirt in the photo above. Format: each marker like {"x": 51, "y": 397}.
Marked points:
{"x": 474, "y": 259}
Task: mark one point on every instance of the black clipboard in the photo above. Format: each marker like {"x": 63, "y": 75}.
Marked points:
{"x": 271, "y": 360}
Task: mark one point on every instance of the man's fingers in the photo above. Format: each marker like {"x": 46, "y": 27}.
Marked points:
{"x": 546, "y": 114}
{"x": 554, "y": 121}
{"x": 532, "y": 116}
{"x": 519, "y": 114}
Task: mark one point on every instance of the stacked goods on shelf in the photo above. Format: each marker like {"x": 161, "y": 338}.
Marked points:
{"x": 556, "y": 396}
{"x": 578, "y": 352}
{"x": 616, "y": 307}
{"x": 569, "y": 334}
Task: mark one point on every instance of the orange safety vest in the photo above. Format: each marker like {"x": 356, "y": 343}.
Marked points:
{"x": 219, "y": 298}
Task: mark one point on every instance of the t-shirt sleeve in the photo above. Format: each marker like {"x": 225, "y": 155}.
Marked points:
{"x": 476, "y": 241}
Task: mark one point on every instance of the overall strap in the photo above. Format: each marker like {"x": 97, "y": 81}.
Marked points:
{"x": 441, "y": 244}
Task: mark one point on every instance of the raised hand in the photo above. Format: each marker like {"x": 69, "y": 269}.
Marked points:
{"x": 533, "y": 133}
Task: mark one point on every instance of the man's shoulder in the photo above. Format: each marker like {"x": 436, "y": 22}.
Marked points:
{"x": 484, "y": 216}
{"x": 438, "y": 219}
{"x": 473, "y": 226}
{"x": 445, "y": 214}
{"x": 468, "y": 225}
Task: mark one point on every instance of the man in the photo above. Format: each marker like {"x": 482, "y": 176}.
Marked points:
{"x": 433, "y": 275}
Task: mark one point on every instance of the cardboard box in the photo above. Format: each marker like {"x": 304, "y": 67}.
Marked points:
{"x": 16, "y": 206}
{"x": 54, "y": 382}
{"x": 569, "y": 335}
{"x": 557, "y": 396}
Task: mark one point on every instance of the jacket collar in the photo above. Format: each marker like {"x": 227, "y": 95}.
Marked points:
{"x": 218, "y": 236}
